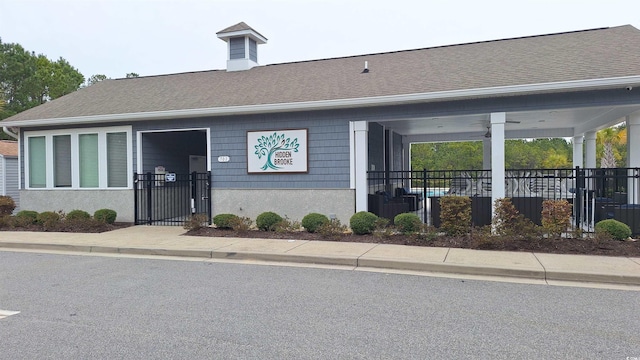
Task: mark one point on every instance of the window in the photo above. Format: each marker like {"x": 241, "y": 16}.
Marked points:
{"x": 37, "y": 162}
{"x": 79, "y": 158}
{"x": 62, "y": 161}
{"x": 88, "y": 151}
{"x": 117, "y": 159}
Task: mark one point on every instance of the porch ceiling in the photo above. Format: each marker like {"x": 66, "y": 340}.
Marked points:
{"x": 520, "y": 125}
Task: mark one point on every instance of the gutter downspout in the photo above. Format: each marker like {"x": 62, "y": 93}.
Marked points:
{"x": 9, "y": 132}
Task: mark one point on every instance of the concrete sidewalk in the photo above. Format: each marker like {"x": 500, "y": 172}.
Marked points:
{"x": 169, "y": 241}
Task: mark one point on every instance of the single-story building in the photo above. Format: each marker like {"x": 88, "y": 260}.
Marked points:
{"x": 300, "y": 137}
{"x": 9, "y": 170}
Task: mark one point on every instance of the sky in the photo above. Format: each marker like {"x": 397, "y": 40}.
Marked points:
{"x": 116, "y": 37}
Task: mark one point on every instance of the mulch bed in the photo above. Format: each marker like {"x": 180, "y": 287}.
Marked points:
{"x": 81, "y": 227}
{"x": 540, "y": 245}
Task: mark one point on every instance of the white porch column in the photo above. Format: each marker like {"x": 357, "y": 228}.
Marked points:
{"x": 360, "y": 160}
{"x": 578, "y": 150}
{"x": 590, "y": 145}
{"x": 486, "y": 153}
{"x": 406, "y": 154}
{"x": 497, "y": 157}
{"x": 406, "y": 159}
{"x": 633, "y": 156}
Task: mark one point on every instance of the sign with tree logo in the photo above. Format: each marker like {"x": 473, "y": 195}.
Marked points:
{"x": 280, "y": 151}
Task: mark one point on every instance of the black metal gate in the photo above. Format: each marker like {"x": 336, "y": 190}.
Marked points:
{"x": 171, "y": 199}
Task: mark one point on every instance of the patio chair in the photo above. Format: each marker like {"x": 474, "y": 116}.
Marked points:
{"x": 547, "y": 187}
{"x": 484, "y": 184}
{"x": 461, "y": 185}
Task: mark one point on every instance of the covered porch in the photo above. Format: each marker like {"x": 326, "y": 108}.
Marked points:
{"x": 576, "y": 116}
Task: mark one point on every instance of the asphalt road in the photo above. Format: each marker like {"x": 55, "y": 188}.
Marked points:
{"x": 86, "y": 307}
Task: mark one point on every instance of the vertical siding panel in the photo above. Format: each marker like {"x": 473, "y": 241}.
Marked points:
{"x": 11, "y": 179}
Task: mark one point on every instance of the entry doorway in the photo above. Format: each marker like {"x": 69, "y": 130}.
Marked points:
{"x": 173, "y": 181}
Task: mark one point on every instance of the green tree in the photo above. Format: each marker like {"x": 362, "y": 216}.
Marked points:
{"x": 132, "y": 75}
{"x": 519, "y": 154}
{"x": 28, "y": 80}
{"x": 94, "y": 79}
{"x": 613, "y": 140}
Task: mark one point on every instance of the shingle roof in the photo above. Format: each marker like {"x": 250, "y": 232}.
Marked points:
{"x": 241, "y": 26}
{"x": 581, "y": 55}
{"x": 8, "y": 148}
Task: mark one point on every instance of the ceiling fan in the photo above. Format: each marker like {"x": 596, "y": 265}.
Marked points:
{"x": 487, "y": 135}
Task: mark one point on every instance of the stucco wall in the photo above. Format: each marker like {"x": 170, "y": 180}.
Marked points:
{"x": 88, "y": 200}
{"x": 294, "y": 203}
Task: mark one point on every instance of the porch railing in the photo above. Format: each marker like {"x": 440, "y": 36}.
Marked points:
{"x": 596, "y": 194}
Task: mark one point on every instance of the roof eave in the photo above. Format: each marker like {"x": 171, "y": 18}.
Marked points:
{"x": 574, "y": 85}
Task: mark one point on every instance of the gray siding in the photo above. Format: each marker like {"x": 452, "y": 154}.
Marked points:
{"x": 236, "y": 48}
{"x": 328, "y": 149}
{"x": 9, "y": 174}
{"x": 253, "y": 50}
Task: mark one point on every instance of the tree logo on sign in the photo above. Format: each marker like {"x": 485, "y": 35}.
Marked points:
{"x": 277, "y": 149}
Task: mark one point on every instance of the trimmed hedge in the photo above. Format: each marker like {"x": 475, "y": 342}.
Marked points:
{"x": 363, "y": 222}
{"x": 268, "y": 220}
{"x": 105, "y": 215}
{"x": 77, "y": 215}
{"x": 27, "y": 217}
{"x": 49, "y": 220}
{"x": 408, "y": 223}
{"x": 616, "y": 229}
{"x": 225, "y": 221}
{"x": 455, "y": 215}
{"x": 313, "y": 221}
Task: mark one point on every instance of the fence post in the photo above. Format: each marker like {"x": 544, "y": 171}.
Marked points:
{"x": 209, "y": 197}
{"x": 577, "y": 206}
{"x": 149, "y": 194}
{"x": 135, "y": 199}
{"x": 424, "y": 196}
{"x": 194, "y": 191}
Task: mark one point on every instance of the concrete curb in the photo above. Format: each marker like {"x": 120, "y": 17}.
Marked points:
{"x": 351, "y": 261}
{"x": 459, "y": 269}
{"x": 593, "y": 278}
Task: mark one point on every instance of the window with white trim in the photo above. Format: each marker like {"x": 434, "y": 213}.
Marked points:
{"x": 95, "y": 158}
{"x": 37, "y": 160}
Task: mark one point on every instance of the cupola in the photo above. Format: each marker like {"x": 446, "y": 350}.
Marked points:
{"x": 242, "y": 46}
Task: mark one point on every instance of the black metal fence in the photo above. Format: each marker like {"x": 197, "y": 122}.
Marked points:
{"x": 596, "y": 194}
{"x": 170, "y": 199}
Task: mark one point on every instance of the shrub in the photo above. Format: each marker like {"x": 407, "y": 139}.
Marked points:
{"x": 332, "y": 229}
{"x": 224, "y": 221}
{"x": 556, "y": 216}
{"x": 26, "y": 217}
{"x": 286, "y": 225}
{"x": 5, "y": 221}
{"x": 455, "y": 215}
{"x": 195, "y": 222}
{"x": 267, "y": 221}
{"x": 7, "y": 205}
{"x": 74, "y": 215}
{"x": 408, "y": 223}
{"x": 614, "y": 228}
{"x": 363, "y": 222}
{"x": 241, "y": 224}
{"x": 507, "y": 221}
{"x": 107, "y": 216}
{"x": 313, "y": 221}
{"x": 49, "y": 220}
